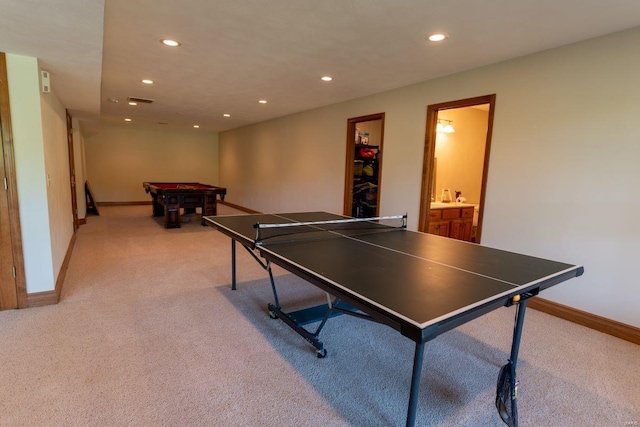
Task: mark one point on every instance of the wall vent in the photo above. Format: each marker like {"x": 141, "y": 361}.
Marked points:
{"x": 140, "y": 100}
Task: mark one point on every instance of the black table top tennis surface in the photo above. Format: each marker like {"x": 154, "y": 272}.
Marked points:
{"x": 424, "y": 284}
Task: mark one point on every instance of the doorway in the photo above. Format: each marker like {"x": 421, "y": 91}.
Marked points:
{"x": 363, "y": 171}
{"x": 453, "y": 194}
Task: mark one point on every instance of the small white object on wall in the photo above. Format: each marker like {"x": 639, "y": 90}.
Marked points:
{"x": 45, "y": 82}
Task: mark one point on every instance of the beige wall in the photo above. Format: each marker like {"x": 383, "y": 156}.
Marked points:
{"x": 42, "y": 170}
{"x": 564, "y": 157}
{"x": 461, "y": 154}
{"x": 119, "y": 158}
{"x": 56, "y": 161}
{"x": 288, "y": 164}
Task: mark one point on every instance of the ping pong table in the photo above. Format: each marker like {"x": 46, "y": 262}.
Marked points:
{"x": 420, "y": 284}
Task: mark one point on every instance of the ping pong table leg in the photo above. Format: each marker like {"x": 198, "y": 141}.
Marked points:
{"x": 513, "y": 361}
{"x": 517, "y": 333}
{"x": 273, "y": 286}
{"x": 415, "y": 384}
{"x": 233, "y": 264}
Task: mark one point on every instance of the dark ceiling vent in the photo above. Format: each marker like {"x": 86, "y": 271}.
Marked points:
{"x": 140, "y": 100}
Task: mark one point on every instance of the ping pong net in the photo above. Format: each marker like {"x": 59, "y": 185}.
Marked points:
{"x": 289, "y": 232}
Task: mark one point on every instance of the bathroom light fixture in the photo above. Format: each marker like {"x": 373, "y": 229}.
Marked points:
{"x": 262, "y": 101}
{"x": 448, "y": 128}
{"x": 196, "y": 126}
{"x": 226, "y": 115}
{"x": 147, "y": 81}
{"x": 326, "y": 78}
{"x": 441, "y": 127}
{"x": 133, "y": 103}
{"x": 127, "y": 119}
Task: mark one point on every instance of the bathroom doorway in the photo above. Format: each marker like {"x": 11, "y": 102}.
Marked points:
{"x": 458, "y": 140}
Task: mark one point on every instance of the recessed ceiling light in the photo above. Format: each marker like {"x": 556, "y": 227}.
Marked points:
{"x": 437, "y": 37}
{"x": 326, "y": 78}
{"x": 226, "y": 115}
{"x": 147, "y": 81}
{"x": 133, "y": 103}
{"x": 196, "y": 126}
{"x": 170, "y": 43}
{"x": 127, "y": 119}
{"x": 262, "y": 101}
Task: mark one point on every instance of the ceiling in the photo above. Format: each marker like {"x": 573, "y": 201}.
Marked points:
{"x": 234, "y": 53}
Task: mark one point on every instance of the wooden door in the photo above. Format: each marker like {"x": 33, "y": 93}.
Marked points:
{"x": 13, "y": 293}
{"x": 8, "y": 293}
{"x": 72, "y": 173}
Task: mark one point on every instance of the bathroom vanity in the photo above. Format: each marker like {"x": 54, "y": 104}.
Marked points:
{"x": 454, "y": 220}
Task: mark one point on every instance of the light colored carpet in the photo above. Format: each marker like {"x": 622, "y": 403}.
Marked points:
{"x": 149, "y": 333}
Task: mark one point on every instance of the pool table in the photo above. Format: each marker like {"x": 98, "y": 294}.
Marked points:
{"x": 170, "y": 197}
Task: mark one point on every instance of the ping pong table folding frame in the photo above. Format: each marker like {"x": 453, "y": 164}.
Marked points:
{"x": 345, "y": 303}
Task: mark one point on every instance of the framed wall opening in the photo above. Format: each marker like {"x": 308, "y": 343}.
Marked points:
{"x": 363, "y": 167}
{"x": 430, "y": 193}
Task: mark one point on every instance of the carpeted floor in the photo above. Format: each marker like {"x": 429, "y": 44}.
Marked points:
{"x": 149, "y": 333}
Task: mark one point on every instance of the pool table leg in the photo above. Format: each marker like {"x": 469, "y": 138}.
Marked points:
{"x": 171, "y": 212}
{"x": 158, "y": 209}
{"x": 209, "y": 207}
